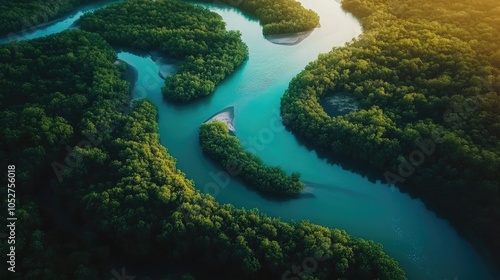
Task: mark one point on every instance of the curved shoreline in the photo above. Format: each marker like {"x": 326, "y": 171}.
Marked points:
{"x": 61, "y": 17}
{"x": 288, "y": 39}
{"x": 167, "y": 66}
{"x": 226, "y": 116}
{"x": 131, "y": 74}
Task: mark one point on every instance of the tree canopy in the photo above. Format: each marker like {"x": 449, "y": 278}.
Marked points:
{"x": 428, "y": 87}
{"x": 181, "y": 30}
{"x": 116, "y": 192}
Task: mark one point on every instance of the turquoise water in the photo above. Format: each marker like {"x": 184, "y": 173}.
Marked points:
{"x": 54, "y": 26}
{"x": 426, "y": 246}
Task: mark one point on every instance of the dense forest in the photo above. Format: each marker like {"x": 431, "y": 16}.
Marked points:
{"x": 115, "y": 193}
{"x": 278, "y": 16}
{"x": 283, "y": 16}
{"x": 228, "y": 151}
{"x": 427, "y": 77}
{"x": 177, "y": 29}
{"x": 180, "y": 30}
{"x": 22, "y": 15}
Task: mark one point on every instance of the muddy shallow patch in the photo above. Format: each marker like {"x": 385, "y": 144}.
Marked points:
{"x": 289, "y": 38}
{"x": 339, "y": 104}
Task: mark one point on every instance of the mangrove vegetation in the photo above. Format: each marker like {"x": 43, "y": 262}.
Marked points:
{"x": 179, "y": 30}
{"x": 115, "y": 193}
{"x": 228, "y": 151}
{"x": 426, "y": 76}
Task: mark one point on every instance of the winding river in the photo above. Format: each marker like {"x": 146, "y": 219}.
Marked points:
{"x": 426, "y": 246}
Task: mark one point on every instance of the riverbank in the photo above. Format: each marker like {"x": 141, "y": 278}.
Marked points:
{"x": 130, "y": 74}
{"x": 166, "y": 66}
{"x": 217, "y": 142}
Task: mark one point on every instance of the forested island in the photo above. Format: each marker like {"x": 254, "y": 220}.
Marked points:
{"x": 193, "y": 34}
{"x": 228, "y": 151}
{"x": 278, "y": 16}
{"x": 426, "y": 75}
{"x": 69, "y": 128}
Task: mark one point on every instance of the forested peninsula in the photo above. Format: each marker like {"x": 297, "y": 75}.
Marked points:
{"x": 426, "y": 75}
{"x": 193, "y": 34}
{"x": 227, "y": 150}
{"x": 117, "y": 193}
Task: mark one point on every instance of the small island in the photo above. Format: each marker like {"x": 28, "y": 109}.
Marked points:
{"x": 106, "y": 162}
{"x": 228, "y": 151}
{"x": 278, "y": 16}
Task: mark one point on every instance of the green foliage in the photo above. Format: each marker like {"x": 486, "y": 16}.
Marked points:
{"x": 126, "y": 197}
{"x": 278, "y": 16}
{"x": 45, "y": 92}
{"x": 419, "y": 75}
{"x": 196, "y": 229}
{"x": 228, "y": 151}
{"x": 22, "y": 15}
{"x": 52, "y": 90}
{"x": 177, "y": 29}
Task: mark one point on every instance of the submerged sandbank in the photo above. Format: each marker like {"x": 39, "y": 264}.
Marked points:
{"x": 167, "y": 66}
{"x": 226, "y": 116}
{"x": 288, "y": 38}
